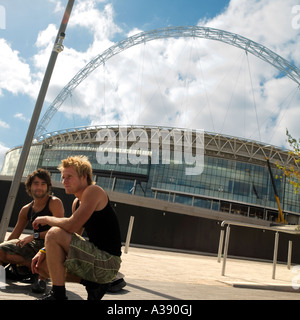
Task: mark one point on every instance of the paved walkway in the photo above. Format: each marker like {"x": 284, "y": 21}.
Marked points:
{"x": 164, "y": 275}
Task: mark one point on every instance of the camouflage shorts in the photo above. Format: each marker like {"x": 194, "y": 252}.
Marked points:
{"x": 27, "y": 252}
{"x": 88, "y": 262}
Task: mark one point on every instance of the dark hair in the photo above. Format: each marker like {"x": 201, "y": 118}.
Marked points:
{"x": 40, "y": 173}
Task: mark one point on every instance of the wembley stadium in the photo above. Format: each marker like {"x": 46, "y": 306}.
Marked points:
{"x": 179, "y": 184}
{"x": 172, "y": 209}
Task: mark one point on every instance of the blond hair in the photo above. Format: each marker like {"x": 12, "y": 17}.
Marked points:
{"x": 82, "y": 166}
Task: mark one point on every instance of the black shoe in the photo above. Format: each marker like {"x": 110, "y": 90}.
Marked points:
{"x": 116, "y": 286}
{"x": 17, "y": 273}
{"x": 50, "y": 296}
{"x": 96, "y": 292}
{"x": 38, "y": 286}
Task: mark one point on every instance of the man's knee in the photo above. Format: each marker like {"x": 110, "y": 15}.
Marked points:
{"x": 58, "y": 236}
{"x": 54, "y": 234}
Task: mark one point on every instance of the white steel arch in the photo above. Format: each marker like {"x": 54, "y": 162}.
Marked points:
{"x": 235, "y": 40}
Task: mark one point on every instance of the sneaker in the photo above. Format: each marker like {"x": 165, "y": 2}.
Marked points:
{"x": 116, "y": 286}
{"x": 50, "y": 296}
{"x": 96, "y": 292}
{"x": 38, "y": 286}
{"x": 17, "y": 273}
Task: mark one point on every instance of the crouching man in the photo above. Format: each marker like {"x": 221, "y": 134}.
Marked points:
{"x": 21, "y": 251}
{"x": 69, "y": 257}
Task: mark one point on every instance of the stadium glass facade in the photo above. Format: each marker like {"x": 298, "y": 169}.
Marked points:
{"x": 235, "y": 178}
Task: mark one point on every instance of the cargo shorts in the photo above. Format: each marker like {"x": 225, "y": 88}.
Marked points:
{"x": 88, "y": 262}
{"x": 27, "y": 252}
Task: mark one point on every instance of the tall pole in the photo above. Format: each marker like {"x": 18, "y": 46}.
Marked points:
{"x": 58, "y": 47}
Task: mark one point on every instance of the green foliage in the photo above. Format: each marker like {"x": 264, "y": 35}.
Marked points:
{"x": 292, "y": 173}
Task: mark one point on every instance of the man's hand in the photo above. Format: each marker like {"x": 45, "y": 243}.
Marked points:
{"x": 24, "y": 241}
{"x": 36, "y": 261}
{"x": 39, "y": 221}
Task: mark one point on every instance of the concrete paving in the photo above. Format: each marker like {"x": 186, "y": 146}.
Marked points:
{"x": 163, "y": 275}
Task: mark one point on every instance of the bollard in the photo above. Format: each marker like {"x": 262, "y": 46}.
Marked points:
{"x": 129, "y": 234}
{"x": 226, "y": 249}
{"x": 289, "y": 262}
{"x": 275, "y": 254}
{"x": 220, "y": 245}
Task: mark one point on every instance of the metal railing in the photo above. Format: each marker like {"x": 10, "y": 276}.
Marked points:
{"x": 276, "y": 229}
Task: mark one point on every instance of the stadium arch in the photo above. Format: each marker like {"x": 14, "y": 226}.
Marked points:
{"x": 256, "y": 49}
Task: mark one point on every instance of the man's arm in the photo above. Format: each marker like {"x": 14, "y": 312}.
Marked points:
{"x": 21, "y": 223}
{"x": 74, "y": 205}
{"x": 56, "y": 207}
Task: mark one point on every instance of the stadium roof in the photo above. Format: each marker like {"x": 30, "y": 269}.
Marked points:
{"x": 218, "y": 145}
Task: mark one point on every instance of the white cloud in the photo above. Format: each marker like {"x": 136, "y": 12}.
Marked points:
{"x": 20, "y": 116}
{"x": 100, "y": 23}
{"x": 3, "y": 124}
{"x": 59, "y": 6}
{"x": 46, "y": 37}
{"x": 15, "y": 73}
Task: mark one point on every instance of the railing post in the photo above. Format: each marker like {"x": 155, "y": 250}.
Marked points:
{"x": 247, "y": 225}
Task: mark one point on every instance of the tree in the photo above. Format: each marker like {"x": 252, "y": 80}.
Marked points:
{"x": 292, "y": 173}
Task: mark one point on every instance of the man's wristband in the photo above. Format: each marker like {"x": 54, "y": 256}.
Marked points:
{"x": 43, "y": 250}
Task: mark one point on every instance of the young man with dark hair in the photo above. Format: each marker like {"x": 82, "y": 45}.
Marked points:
{"x": 21, "y": 251}
{"x": 93, "y": 263}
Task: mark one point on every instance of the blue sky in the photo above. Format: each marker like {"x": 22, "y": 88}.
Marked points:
{"x": 95, "y": 25}
{"x": 147, "y": 15}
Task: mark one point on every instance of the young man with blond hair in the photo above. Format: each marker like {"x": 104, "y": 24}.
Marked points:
{"x": 95, "y": 262}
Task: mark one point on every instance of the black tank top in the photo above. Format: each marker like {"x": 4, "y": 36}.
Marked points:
{"x": 102, "y": 229}
{"x": 31, "y": 215}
